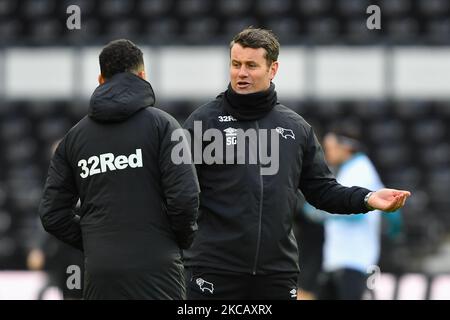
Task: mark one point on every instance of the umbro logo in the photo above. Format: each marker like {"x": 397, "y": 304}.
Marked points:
{"x": 230, "y": 131}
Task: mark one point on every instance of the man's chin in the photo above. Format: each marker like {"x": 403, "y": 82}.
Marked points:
{"x": 247, "y": 90}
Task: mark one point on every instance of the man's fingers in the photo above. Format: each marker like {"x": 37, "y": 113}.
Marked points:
{"x": 396, "y": 203}
{"x": 404, "y": 200}
{"x": 402, "y": 193}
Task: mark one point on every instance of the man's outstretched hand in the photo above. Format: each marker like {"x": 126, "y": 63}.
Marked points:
{"x": 388, "y": 199}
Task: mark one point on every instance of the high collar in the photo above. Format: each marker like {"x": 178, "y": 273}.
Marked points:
{"x": 252, "y": 106}
{"x": 120, "y": 97}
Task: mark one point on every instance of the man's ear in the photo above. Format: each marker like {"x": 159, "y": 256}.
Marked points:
{"x": 142, "y": 74}
{"x": 273, "y": 70}
{"x": 101, "y": 80}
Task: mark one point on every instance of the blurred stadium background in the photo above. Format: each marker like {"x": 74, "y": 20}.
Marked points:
{"x": 394, "y": 82}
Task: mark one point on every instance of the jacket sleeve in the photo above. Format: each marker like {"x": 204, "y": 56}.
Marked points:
{"x": 180, "y": 186}
{"x": 321, "y": 189}
{"x": 59, "y": 199}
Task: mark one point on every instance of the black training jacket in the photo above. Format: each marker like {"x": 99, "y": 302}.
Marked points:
{"x": 245, "y": 219}
{"x": 138, "y": 209}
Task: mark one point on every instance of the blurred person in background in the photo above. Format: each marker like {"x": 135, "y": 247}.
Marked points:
{"x": 245, "y": 247}
{"x": 54, "y": 257}
{"x": 352, "y": 242}
{"x": 137, "y": 208}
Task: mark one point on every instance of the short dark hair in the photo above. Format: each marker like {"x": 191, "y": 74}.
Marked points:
{"x": 348, "y": 133}
{"x": 120, "y": 56}
{"x": 259, "y": 38}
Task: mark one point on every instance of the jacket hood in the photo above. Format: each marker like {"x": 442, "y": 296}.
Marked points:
{"x": 120, "y": 97}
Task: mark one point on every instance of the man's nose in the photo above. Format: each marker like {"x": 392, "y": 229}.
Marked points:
{"x": 242, "y": 72}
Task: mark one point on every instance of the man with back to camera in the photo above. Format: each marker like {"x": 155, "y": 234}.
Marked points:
{"x": 245, "y": 247}
{"x": 138, "y": 209}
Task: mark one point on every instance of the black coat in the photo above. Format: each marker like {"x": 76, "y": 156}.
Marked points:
{"x": 138, "y": 209}
{"x": 246, "y": 219}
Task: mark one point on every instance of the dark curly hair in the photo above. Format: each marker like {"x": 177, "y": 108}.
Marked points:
{"x": 120, "y": 56}
{"x": 259, "y": 38}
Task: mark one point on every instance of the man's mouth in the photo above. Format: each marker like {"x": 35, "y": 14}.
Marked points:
{"x": 243, "y": 84}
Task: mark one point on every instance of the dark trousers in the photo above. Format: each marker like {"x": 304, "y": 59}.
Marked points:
{"x": 342, "y": 284}
{"x": 209, "y": 284}
{"x": 157, "y": 284}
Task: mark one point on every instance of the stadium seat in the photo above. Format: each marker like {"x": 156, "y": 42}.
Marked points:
{"x": 287, "y": 29}
{"x": 438, "y": 30}
{"x": 10, "y": 30}
{"x": 45, "y": 31}
{"x": 8, "y": 247}
{"x": 442, "y": 109}
{"x": 26, "y": 195}
{"x": 200, "y": 28}
{"x": 269, "y": 8}
{"x": 162, "y": 30}
{"x": 411, "y": 110}
{"x": 428, "y": 131}
{"x": 402, "y": 29}
{"x": 5, "y": 219}
{"x": 352, "y": 8}
{"x": 21, "y": 151}
{"x": 232, "y": 8}
{"x": 233, "y": 26}
{"x": 8, "y": 8}
{"x": 3, "y": 195}
{"x": 193, "y": 8}
{"x": 418, "y": 202}
{"x": 154, "y": 8}
{"x": 370, "y": 110}
{"x": 37, "y": 9}
{"x": 14, "y": 129}
{"x": 435, "y": 155}
{"x": 408, "y": 177}
{"x": 122, "y": 28}
{"x": 432, "y": 8}
{"x": 323, "y": 28}
{"x": 392, "y": 156}
{"x": 329, "y": 110}
{"x": 438, "y": 181}
{"x": 396, "y": 8}
{"x": 113, "y": 9}
{"x": 383, "y": 131}
{"x": 314, "y": 7}
{"x": 50, "y": 130}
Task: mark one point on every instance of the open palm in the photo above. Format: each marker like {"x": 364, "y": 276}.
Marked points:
{"x": 388, "y": 199}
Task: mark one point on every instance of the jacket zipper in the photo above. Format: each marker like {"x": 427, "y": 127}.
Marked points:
{"x": 258, "y": 242}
